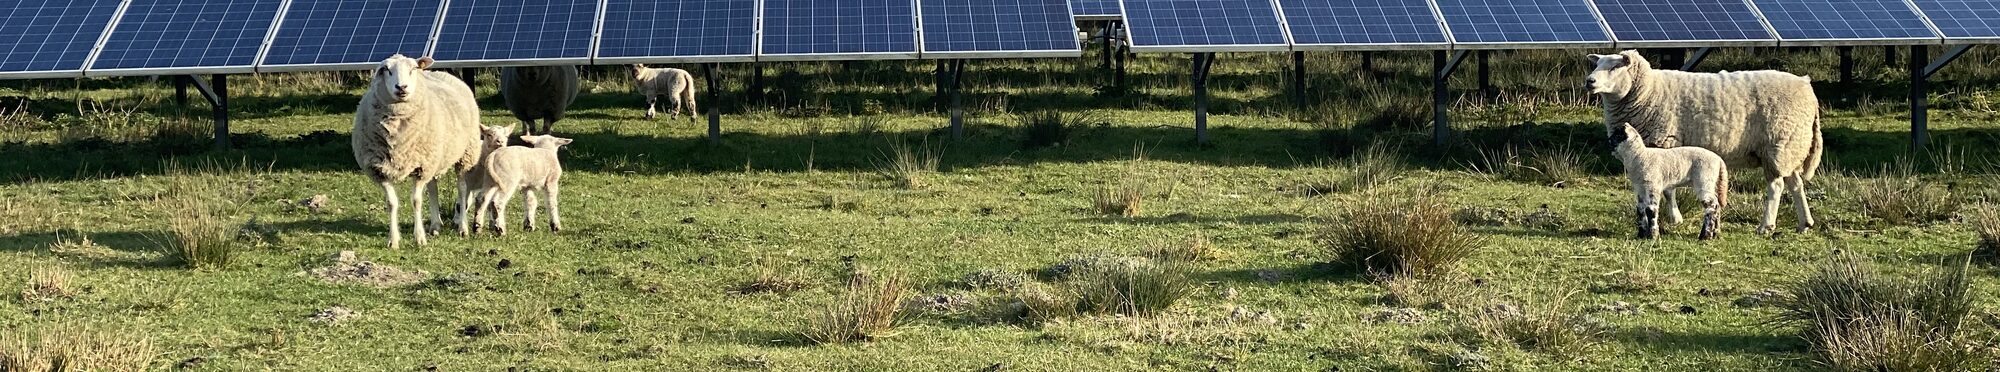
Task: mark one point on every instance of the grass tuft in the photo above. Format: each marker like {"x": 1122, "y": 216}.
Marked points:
{"x": 1548, "y": 166}
{"x": 1400, "y": 236}
{"x": 1196, "y": 248}
{"x": 199, "y": 232}
{"x": 1126, "y": 198}
{"x": 69, "y": 348}
{"x": 868, "y": 311}
{"x": 1552, "y": 327}
{"x": 908, "y": 166}
{"x": 1411, "y": 292}
{"x": 1899, "y": 196}
{"x": 1051, "y": 128}
{"x": 1378, "y": 165}
{"x": 48, "y": 284}
{"x": 1857, "y": 319}
{"x": 1134, "y": 290}
{"x": 1985, "y": 219}
{"x": 768, "y": 281}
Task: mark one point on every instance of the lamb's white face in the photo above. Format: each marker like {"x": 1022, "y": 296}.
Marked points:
{"x": 1631, "y": 134}
{"x": 546, "y": 141}
{"x": 1613, "y": 75}
{"x": 494, "y": 136}
{"x": 397, "y": 76}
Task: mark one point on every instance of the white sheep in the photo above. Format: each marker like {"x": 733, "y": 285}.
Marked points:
{"x": 1763, "y": 119}
{"x": 516, "y": 168}
{"x": 538, "y": 93}
{"x": 491, "y": 138}
{"x": 414, "y": 123}
{"x": 1655, "y": 172}
{"x": 676, "y": 84}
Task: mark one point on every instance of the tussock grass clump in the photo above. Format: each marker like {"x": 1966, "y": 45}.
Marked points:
{"x": 48, "y": 284}
{"x": 1051, "y": 128}
{"x": 1400, "y": 236}
{"x": 1136, "y": 290}
{"x": 869, "y": 310}
{"x": 1553, "y": 327}
{"x": 1126, "y": 198}
{"x": 1378, "y": 165}
{"x": 1547, "y": 166}
{"x": 1899, "y": 196}
{"x": 1857, "y": 319}
{"x": 908, "y": 166}
{"x": 200, "y": 234}
{"x": 1196, "y": 248}
{"x": 1985, "y": 219}
{"x": 69, "y": 348}
{"x": 1041, "y": 303}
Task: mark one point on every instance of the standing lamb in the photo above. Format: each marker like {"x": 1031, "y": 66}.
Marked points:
{"x": 491, "y": 138}
{"x": 516, "y": 168}
{"x": 674, "y": 83}
{"x": 1763, "y": 119}
{"x": 538, "y": 93}
{"x": 1655, "y": 172}
{"x": 415, "y": 123}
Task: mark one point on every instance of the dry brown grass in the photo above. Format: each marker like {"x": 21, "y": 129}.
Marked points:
{"x": 1552, "y": 326}
{"x": 868, "y": 311}
{"x": 1196, "y": 248}
{"x": 1985, "y": 220}
{"x": 48, "y": 284}
{"x": 908, "y": 166}
{"x": 1127, "y": 198}
{"x": 1400, "y": 236}
{"x": 1858, "y": 319}
{"x": 59, "y": 348}
{"x": 1897, "y": 195}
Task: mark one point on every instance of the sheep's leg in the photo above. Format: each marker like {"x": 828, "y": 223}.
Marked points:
{"x": 500, "y": 211}
{"x": 1648, "y": 215}
{"x": 1771, "y": 196}
{"x": 534, "y": 204}
{"x": 485, "y": 206}
{"x": 687, "y": 95}
{"x": 437, "y": 213}
{"x": 1671, "y": 205}
{"x": 395, "y": 207}
{"x": 673, "y": 104}
{"x": 1711, "y": 215}
{"x": 555, "y": 213}
{"x": 464, "y": 206}
{"x": 651, "y": 101}
{"x": 1798, "y": 187}
{"x": 417, "y": 209}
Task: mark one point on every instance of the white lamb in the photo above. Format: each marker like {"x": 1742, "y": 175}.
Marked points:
{"x": 538, "y": 93}
{"x": 419, "y": 124}
{"x": 1655, "y": 172}
{"x": 491, "y": 138}
{"x": 676, "y": 84}
{"x": 1763, "y": 119}
{"x": 516, "y": 168}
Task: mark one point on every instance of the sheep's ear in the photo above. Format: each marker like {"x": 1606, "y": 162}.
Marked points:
{"x": 563, "y": 141}
{"x": 425, "y": 63}
{"x": 1594, "y": 58}
{"x": 509, "y": 128}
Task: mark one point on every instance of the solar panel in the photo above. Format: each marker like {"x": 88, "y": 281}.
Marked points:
{"x": 1204, "y": 26}
{"x": 1518, "y": 24}
{"x": 345, "y": 34}
{"x": 188, "y": 36}
{"x": 830, "y": 29}
{"x": 999, "y": 28}
{"x": 476, "y": 32}
{"x": 1671, "y": 23}
{"x": 1844, "y": 22}
{"x": 1964, "y": 19}
{"x": 1363, "y": 24}
{"x": 643, "y": 31}
{"x": 1095, "y": 9}
{"x": 52, "y": 37}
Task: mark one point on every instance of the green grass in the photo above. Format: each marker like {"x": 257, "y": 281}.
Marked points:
{"x": 667, "y": 229}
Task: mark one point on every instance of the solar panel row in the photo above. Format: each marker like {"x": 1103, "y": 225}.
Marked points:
{"x": 48, "y": 38}
{"x": 1239, "y": 25}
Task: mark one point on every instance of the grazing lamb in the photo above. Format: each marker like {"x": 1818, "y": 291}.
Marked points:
{"x": 415, "y": 123}
{"x": 491, "y": 137}
{"x": 538, "y": 93}
{"x": 1763, "y": 119}
{"x": 516, "y": 168}
{"x": 1655, "y": 172}
{"x": 674, "y": 83}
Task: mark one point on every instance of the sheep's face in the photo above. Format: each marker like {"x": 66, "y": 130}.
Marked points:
{"x": 1613, "y": 75}
{"x": 546, "y": 141}
{"x": 397, "y": 76}
{"x": 638, "y": 72}
{"x": 494, "y": 136}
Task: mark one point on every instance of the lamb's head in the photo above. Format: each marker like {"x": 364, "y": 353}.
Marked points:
{"x": 494, "y": 136}
{"x": 1614, "y": 72}
{"x": 397, "y": 77}
{"x": 545, "y": 141}
{"x": 638, "y": 71}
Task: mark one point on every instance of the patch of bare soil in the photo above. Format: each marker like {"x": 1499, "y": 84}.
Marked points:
{"x": 347, "y": 268}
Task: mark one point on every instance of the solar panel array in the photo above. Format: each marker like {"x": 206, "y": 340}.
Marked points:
{"x": 1832, "y": 21}
{"x": 1095, "y": 9}
{"x": 1204, "y": 25}
{"x": 1369, "y": 24}
{"x": 1963, "y": 19}
{"x": 49, "y": 38}
{"x": 1501, "y": 23}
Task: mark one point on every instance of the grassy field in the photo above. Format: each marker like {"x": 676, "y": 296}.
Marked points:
{"x": 682, "y": 255}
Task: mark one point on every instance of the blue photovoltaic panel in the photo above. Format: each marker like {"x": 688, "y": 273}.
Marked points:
{"x": 1521, "y": 21}
{"x": 352, "y": 31}
{"x": 1094, "y": 8}
{"x": 516, "y": 29}
{"x": 1843, "y": 19}
{"x": 1681, "y": 20}
{"x": 51, "y": 35}
{"x": 998, "y": 26}
{"x": 680, "y": 28}
{"x": 1343, "y": 22}
{"x": 839, "y": 27}
{"x": 188, "y": 33}
{"x": 1204, "y": 24}
{"x": 1963, "y": 18}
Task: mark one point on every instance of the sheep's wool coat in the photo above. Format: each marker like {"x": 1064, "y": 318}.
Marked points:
{"x": 421, "y": 137}
{"x": 1765, "y": 119}
{"x": 538, "y": 93}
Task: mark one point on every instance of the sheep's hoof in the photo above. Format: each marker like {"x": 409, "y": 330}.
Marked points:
{"x": 497, "y": 231}
{"x": 554, "y": 228}
{"x": 1764, "y": 230}
{"x": 1707, "y": 235}
{"x": 527, "y": 227}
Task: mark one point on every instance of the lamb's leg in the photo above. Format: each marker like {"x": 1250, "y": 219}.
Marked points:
{"x": 1771, "y": 196}
{"x": 500, "y": 211}
{"x": 1671, "y": 205}
{"x": 650, "y": 102}
{"x": 1648, "y": 214}
{"x": 687, "y": 95}
{"x": 463, "y": 218}
{"x": 417, "y": 207}
{"x": 534, "y": 204}
{"x": 395, "y": 207}
{"x": 1711, "y": 215}
{"x": 555, "y": 213}
{"x": 1798, "y": 187}
{"x": 673, "y": 104}
{"x": 485, "y": 206}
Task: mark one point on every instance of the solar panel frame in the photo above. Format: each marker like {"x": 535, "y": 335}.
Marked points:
{"x": 1930, "y": 33}
{"x": 1117, "y": 11}
{"x": 1945, "y": 29}
{"x": 1437, "y": 20}
{"x": 444, "y": 21}
{"x": 1075, "y": 50}
{"x": 1133, "y": 37}
{"x": 271, "y": 45}
{"x": 1597, "y": 19}
{"x": 1771, "y": 38}
{"x": 603, "y": 21}
{"x": 89, "y": 53}
{"x": 92, "y": 70}
{"x": 915, "y": 33}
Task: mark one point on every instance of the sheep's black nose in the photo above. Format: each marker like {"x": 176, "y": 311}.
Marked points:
{"x": 1589, "y": 82}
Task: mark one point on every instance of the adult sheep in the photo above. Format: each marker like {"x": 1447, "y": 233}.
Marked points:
{"x": 1763, "y": 119}
{"x": 416, "y": 124}
{"x": 538, "y": 93}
